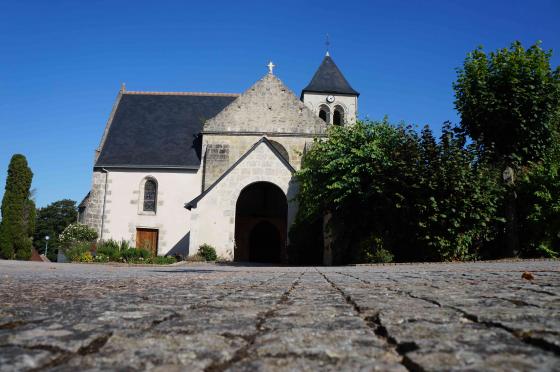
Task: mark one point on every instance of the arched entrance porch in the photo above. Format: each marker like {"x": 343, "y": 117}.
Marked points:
{"x": 261, "y": 214}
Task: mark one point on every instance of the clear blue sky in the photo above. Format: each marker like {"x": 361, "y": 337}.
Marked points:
{"x": 62, "y": 62}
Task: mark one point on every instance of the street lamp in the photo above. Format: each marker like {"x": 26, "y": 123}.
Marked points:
{"x": 46, "y": 244}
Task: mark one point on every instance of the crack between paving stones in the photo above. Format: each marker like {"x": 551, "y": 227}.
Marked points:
{"x": 243, "y": 352}
{"x": 171, "y": 316}
{"x": 205, "y": 303}
{"x": 94, "y": 346}
{"x": 374, "y": 323}
{"x": 536, "y": 291}
{"x": 522, "y": 336}
{"x": 513, "y": 301}
{"x": 18, "y": 323}
{"x": 262, "y": 282}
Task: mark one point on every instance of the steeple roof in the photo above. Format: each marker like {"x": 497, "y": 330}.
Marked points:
{"x": 329, "y": 79}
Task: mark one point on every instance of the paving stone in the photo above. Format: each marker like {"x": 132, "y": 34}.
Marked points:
{"x": 467, "y": 316}
{"x": 14, "y": 358}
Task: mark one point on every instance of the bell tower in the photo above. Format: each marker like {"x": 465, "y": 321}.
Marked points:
{"x": 330, "y": 96}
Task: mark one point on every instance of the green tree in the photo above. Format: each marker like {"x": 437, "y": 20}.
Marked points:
{"x": 539, "y": 204}
{"x": 18, "y": 211}
{"x": 51, "y": 221}
{"x": 508, "y": 101}
{"x": 458, "y": 205}
{"x": 388, "y": 188}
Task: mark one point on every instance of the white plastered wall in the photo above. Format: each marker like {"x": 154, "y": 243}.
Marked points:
{"x": 124, "y": 206}
{"x": 213, "y": 219}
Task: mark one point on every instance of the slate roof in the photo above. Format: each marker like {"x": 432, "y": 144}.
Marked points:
{"x": 159, "y": 130}
{"x": 329, "y": 79}
{"x": 84, "y": 201}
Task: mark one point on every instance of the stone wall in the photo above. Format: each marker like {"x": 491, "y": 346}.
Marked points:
{"x": 213, "y": 219}
{"x": 267, "y": 107}
{"x": 217, "y": 158}
{"x": 224, "y": 150}
{"x": 94, "y": 205}
{"x": 349, "y": 104}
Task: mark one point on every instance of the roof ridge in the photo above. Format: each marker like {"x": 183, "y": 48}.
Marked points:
{"x": 181, "y": 93}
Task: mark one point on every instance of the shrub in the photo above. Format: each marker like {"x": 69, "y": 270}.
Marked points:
{"x": 76, "y": 252}
{"x": 373, "y": 251}
{"x": 76, "y": 232}
{"x": 101, "y": 258}
{"x": 113, "y": 249}
{"x": 124, "y": 245}
{"x": 381, "y": 255}
{"x": 162, "y": 260}
{"x": 109, "y": 249}
{"x": 85, "y": 257}
{"x": 134, "y": 254}
{"x": 207, "y": 252}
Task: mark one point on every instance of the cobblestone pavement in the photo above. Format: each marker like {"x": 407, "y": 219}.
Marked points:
{"x": 476, "y": 316}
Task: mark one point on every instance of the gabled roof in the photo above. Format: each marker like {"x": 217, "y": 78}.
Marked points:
{"x": 268, "y": 106}
{"x": 193, "y": 203}
{"x": 329, "y": 79}
{"x": 84, "y": 201}
{"x": 159, "y": 130}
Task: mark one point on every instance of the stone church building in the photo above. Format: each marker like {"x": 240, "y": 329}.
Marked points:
{"x": 175, "y": 170}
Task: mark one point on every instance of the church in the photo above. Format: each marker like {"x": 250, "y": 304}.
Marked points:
{"x": 175, "y": 170}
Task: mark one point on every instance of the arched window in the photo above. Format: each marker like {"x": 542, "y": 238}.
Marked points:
{"x": 325, "y": 113}
{"x": 338, "y": 116}
{"x": 150, "y": 195}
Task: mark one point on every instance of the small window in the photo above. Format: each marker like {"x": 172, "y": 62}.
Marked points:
{"x": 338, "y": 116}
{"x": 150, "y": 196}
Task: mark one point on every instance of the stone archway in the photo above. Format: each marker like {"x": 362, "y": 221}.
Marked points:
{"x": 261, "y": 224}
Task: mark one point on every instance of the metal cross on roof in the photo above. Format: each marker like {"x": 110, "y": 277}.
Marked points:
{"x": 271, "y": 67}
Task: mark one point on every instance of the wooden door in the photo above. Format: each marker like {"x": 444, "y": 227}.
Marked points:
{"x": 147, "y": 239}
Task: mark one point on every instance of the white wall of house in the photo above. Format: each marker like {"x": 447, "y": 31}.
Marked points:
{"x": 124, "y": 206}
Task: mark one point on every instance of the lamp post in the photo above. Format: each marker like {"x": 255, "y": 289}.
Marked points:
{"x": 46, "y": 244}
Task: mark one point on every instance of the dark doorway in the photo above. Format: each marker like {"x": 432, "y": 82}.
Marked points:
{"x": 265, "y": 243}
{"x": 261, "y": 224}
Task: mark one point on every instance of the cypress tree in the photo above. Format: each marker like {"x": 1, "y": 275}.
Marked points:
{"x": 18, "y": 211}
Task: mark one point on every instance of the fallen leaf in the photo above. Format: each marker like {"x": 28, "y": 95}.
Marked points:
{"x": 527, "y": 276}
